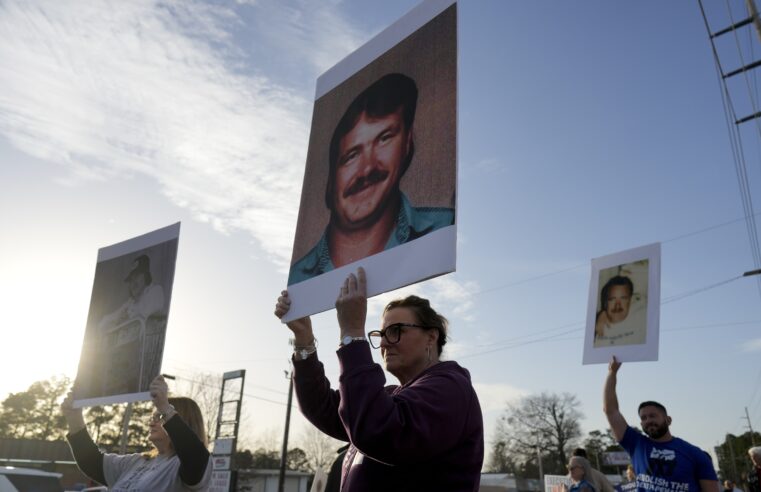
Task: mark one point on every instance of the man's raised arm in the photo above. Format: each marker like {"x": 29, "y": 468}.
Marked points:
{"x": 610, "y": 402}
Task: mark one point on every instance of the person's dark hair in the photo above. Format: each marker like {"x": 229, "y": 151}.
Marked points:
{"x": 425, "y": 314}
{"x": 383, "y": 97}
{"x": 579, "y": 452}
{"x": 617, "y": 280}
{"x": 652, "y": 404}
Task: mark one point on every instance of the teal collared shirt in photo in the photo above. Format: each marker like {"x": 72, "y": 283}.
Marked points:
{"x": 411, "y": 223}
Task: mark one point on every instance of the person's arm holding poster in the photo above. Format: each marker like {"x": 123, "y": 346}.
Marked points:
{"x": 616, "y": 421}
{"x": 86, "y": 453}
{"x": 318, "y": 402}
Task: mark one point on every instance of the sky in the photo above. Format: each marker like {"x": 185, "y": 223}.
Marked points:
{"x": 584, "y": 129}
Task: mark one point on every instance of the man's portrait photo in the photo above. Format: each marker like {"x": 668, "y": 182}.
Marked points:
{"x": 623, "y": 310}
{"x": 126, "y": 327}
{"x": 622, "y": 307}
{"x": 370, "y": 150}
{"x": 381, "y": 172}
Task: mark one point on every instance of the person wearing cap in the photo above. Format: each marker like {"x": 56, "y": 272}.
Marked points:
{"x": 145, "y": 297}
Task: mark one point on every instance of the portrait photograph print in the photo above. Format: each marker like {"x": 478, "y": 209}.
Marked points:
{"x": 126, "y": 324}
{"x": 381, "y": 173}
{"x": 623, "y": 312}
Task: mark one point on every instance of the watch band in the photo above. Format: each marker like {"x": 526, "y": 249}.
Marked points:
{"x": 348, "y": 339}
{"x": 169, "y": 413}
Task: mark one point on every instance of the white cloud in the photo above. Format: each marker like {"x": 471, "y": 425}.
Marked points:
{"x": 317, "y": 35}
{"x": 110, "y": 90}
{"x": 448, "y": 295}
{"x": 494, "y": 397}
{"x": 753, "y": 345}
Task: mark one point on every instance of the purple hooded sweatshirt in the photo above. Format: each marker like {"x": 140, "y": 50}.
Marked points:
{"x": 425, "y": 435}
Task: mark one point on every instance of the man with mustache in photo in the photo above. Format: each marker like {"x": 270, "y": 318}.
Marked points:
{"x": 661, "y": 462}
{"x": 614, "y": 325}
{"x": 371, "y": 149}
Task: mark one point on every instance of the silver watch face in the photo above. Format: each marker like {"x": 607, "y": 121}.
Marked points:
{"x": 346, "y": 340}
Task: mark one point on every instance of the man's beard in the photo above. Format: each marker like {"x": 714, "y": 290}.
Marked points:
{"x": 657, "y": 432}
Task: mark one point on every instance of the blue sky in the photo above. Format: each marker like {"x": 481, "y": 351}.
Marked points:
{"x": 585, "y": 129}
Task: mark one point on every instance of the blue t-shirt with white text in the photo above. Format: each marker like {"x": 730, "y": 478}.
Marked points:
{"x": 673, "y": 466}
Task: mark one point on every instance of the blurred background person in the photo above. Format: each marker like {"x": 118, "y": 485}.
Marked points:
{"x": 753, "y": 481}
{"x": 601, "y": 479}
{"x": 582, "y": 478}
{"x": 180, "y": 460}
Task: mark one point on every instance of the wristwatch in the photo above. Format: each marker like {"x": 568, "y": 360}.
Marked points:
{"x": 348, "y": 339}
{"x": 169, "y": 413}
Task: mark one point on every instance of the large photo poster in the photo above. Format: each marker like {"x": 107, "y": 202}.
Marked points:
{"x": 624, "y": 306}
{"x": 380, "y": 180}
{"x": 126, "y": 324}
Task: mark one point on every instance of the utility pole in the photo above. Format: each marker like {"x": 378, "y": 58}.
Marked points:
{"x": 541, "y": 469}
{"x": 750, "y": 428}
{"x": 125, "y": 428}
{"x": 284, "y": 453}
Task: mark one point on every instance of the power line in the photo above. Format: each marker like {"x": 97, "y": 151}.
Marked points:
{"x": 586, "y": 263}
{"x": 247, "y": 395}
{"x": 580, "y": 325}
{"x": 736, "y": 146}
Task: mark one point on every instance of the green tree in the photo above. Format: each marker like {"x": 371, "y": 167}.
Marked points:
{"x": 733, "y": 455}
{"x": 296, "y": 459}
{"x": 500, "y": 459}
{"x": 596, "y": 444}
{"x": 269, "y": 459}
{"x": 34, "y": 413}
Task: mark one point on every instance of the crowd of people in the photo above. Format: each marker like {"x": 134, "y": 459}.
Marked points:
{"x": 424, "y": 433}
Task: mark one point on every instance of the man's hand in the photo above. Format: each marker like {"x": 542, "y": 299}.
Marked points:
{"x": 73, "y": 416}
{"x": 301, "y": 328}
{"x": 351, "y": 305}
{"x": 613, "y": 365}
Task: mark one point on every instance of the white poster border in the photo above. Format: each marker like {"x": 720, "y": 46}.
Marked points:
{"x": 647, "y": 351}
{"x": 388, "y": 270}
{"x": 131, "y": 245}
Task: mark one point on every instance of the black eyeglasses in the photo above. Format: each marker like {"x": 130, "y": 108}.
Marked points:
{"x": 392, "y": 334}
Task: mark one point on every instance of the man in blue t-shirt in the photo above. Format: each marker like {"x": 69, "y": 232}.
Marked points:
{"x": 662, "y": 463}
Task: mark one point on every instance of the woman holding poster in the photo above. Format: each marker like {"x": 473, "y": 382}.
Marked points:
{"x": 179, "y": 462}
{"x": 425, "y": 433}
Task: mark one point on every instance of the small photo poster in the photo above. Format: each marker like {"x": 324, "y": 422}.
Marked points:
{"x": 557, "y": 483}
{"x": 623, "y": 311}
{"x": 381, "y": 173}
{"x": 126, "y": 325}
